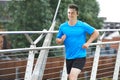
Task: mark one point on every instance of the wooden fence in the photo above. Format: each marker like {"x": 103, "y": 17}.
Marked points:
{"x": 54, "y": 68}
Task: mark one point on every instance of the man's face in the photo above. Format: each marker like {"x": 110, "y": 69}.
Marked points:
{"x": 72, "y": 14}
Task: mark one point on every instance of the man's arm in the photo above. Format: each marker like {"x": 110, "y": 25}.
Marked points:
{"x": 60, "y": 40}
{"x": 94, "y": 35}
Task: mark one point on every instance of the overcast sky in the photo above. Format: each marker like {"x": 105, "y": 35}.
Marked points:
{"x": 110, "y": 9}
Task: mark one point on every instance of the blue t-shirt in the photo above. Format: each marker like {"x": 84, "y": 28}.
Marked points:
{"x": 75, "y": 38}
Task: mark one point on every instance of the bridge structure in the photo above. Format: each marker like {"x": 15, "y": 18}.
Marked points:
{"x": 35, "y": 70}
{"x": 35, "y": 67}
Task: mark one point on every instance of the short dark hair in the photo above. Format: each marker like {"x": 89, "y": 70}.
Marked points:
{"x": 73, "y": 6}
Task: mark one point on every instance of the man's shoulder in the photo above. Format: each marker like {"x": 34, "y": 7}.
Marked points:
{"x": 64, "y": 24}
{"x": 80, "y": 23}
{"x": 83, "y": 23}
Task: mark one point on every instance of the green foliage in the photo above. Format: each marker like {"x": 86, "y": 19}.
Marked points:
{"x": 32, "y": 15}
{"x": 36, "y": 15}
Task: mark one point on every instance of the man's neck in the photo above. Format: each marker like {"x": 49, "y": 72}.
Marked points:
{"x": 72, "y": 22}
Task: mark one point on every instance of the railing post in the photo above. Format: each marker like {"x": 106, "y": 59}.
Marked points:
{"x": 117, "y": 65}
{"x": 29, "y": 67}
{"x": 64, "y": 72}
{"x": 95, "y": 62}
{"x": 17, "y": 73}
{"x": 31, "y": 55}
{"x": 86, "y": 75}
{"x": 42, "y": 58}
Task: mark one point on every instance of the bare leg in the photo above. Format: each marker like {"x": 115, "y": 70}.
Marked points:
{"x": 74, "y": 74}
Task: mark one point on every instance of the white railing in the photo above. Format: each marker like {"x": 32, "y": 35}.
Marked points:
{"x": 33, "y": 49}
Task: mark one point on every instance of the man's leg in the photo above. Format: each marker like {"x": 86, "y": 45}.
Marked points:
{"x": 74, "y": 74}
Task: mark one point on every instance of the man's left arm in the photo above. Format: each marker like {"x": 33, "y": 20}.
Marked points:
{"x": 94, "y": 36}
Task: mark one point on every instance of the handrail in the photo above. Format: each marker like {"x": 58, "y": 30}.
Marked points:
{"x": 39, "y": 32}
{"x": 26, "y": 32}
{"x": 49, "y": 47}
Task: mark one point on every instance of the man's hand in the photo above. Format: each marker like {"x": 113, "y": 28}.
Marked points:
{"x": 61, "y": 40}
{"x": 86, "y": 45}
{"x": 91, "y": 39}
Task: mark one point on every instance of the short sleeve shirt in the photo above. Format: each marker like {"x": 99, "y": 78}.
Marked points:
{"x": 75, "y": 38}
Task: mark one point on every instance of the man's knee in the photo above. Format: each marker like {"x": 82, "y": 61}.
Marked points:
{"x": 72, "y": 77}
{"x": 74, "y": 74}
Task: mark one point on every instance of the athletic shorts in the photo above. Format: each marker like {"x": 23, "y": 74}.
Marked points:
{"x": 75, "y": 63}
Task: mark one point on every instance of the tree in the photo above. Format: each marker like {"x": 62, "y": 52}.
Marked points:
{"x": 29, "y": 15}
{"x": 36, "y": 15}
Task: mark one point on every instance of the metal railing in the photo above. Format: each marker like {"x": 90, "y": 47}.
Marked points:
{"x": 32, "y": 50}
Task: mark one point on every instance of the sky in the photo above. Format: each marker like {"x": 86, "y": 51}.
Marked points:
{"x": 110, "y": 10}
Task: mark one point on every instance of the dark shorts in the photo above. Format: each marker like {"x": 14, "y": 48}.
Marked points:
{"x": 75, "y": 63}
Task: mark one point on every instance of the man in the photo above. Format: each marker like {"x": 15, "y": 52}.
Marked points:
{"x": 73, "y": 34}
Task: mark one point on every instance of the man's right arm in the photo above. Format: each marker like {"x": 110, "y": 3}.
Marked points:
{"x": 60, "y": 40}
